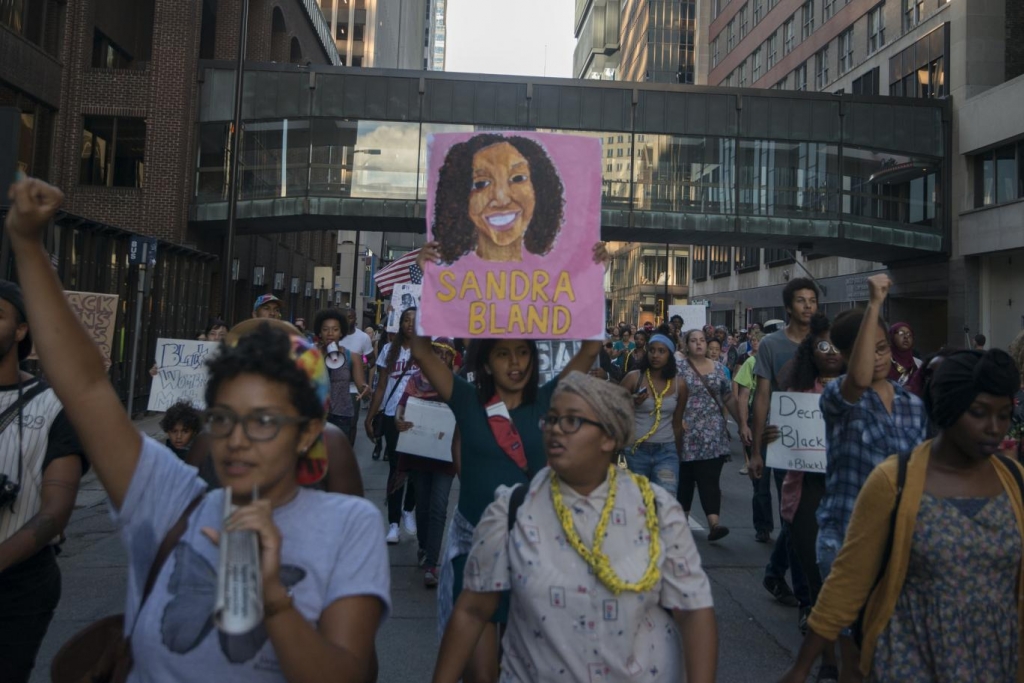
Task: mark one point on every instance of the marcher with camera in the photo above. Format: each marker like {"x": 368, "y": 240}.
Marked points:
{"x": 41, "y": 463}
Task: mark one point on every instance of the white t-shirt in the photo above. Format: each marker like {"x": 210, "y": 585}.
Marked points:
{"x": 391, "y": 394}
{"x": 332, "y": 548}
{"x": 358, "y": 342}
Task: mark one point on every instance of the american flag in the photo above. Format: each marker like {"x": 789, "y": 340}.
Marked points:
{"x": 395, "y": 273}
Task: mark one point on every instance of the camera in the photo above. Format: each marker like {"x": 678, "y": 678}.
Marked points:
{"x": 8, "y": 492}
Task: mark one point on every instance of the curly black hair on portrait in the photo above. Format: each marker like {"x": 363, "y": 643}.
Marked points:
{"x": 184, "y": 414}
{"x": 266, "y": 352}
{"x": 453, "y": 229}
{"x": 805, "y": 370}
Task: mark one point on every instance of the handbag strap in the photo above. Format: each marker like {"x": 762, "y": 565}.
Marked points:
{"x": 383, "y": 406}
{"x": 170, "y": 541}
{"x": 7, "y": 417}
{"x": 707, "y": 385}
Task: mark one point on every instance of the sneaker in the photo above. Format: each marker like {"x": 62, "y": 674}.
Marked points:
{"x": 781, "y": 591}
{"x": 744, "y": 470}
{"x": 421, "y": 558}
{"x": 409, "y": 522}
{"x": 827, "y": 674}
{"x": 763, "y": 536}
{"x": 430, "y": 579}
{"x": 718, "y": 532}
{"x": 393, "y": 537}
{"x": 801, "y": 622}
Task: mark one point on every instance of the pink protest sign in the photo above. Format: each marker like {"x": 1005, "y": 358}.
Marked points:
{"x": 516, "y": 216}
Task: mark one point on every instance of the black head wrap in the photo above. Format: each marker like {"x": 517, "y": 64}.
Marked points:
{"x": 961, "y": 376}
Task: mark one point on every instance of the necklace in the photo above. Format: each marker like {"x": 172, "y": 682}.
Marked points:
{"x": 595, "y": 557}
{"x": 657, "y": 408}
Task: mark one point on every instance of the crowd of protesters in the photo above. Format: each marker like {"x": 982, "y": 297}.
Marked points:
{"x": 570, "y": 554}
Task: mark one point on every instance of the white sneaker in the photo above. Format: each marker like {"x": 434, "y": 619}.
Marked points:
{"x": 393, "y": 537}
{"x": 409, "y": 522}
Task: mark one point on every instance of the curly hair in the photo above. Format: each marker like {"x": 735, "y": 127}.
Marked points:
{"x": 184, "y": 414}
{"x": 453, "y": 229}
{"x": 266, "y": 352}
{"x": 804, "y": 370}
{"x": 484, "y": 381}
{"x": 331, "y": 314}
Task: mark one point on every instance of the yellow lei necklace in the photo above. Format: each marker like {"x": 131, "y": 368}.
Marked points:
{"x": 658, "y": 398}
{"x": 595, "y": 556}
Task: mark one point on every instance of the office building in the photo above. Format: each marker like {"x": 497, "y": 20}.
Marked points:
{"x": 108, "y": 95}
{"x": 388, "y": 34}
{"x": 968, "y": 52}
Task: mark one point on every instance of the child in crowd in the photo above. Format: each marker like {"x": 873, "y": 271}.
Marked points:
{"x": 181, "y": 423}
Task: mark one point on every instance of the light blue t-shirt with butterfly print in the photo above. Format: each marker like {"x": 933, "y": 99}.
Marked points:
{"x": 332, "y": 548}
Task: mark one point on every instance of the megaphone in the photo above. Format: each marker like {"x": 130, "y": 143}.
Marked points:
{"x": 335, "y": 358}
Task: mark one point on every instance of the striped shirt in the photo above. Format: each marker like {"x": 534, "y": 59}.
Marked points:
{"x": 46, "y": 435}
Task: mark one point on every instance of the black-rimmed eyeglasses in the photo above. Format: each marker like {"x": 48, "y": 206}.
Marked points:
{"x": 256, "y": 426}
{"x": 569, "y": 424}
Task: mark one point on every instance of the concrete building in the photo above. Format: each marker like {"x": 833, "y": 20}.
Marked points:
{"x": 955, "y": 49}
{"x": 388, "y": 34}
{"x": 108, "y": 95}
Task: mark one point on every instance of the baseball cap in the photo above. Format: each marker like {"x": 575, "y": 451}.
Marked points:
{"x": 263, "y": 301}
{"x": 11, "y": 293}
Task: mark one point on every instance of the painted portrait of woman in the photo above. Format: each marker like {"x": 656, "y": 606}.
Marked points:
{"x": 497, "y": 195}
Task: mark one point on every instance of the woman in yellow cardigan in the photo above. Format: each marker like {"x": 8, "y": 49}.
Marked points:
{"x": 948, "y": 607}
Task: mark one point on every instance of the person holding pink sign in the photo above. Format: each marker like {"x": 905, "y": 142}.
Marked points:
{"x": 498, "y": 417}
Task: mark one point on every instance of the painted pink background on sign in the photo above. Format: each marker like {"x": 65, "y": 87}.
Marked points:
{"x": 578, "y": 162}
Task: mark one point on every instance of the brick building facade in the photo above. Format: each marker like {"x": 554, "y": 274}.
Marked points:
{"x": 108, "y": 95}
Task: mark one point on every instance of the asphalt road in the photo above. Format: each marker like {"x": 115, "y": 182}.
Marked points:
{"x": 757, "y": 636}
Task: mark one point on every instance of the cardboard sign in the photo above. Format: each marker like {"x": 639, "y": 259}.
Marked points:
{"x": 98, "y": 313}
{"x": 433, "y": 427}
{"x": 694, "y": 317}
{"x": 403, "y": 297}
{"x": 801, "y": 442}
{"x": 516, "y": 216}
{"x": 181, "y": 376}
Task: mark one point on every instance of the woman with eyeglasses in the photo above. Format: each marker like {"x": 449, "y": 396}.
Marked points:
{"x": 324, "y": 594}
{"x": 906, "y": 367}
{"x": 815, "y": 365}
{"x": 603, "y": 571}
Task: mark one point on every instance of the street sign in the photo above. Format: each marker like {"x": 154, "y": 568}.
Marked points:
{"x": 142, "y": 251}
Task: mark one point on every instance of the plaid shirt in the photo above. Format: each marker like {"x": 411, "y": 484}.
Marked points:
{"x": 858, "y": 437}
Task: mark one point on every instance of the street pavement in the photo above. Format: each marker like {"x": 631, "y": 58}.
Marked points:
{"x": 757, "y": 637}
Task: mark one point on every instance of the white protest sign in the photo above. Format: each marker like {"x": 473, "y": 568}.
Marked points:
{"x": 694, "y": 317}
{"x": 432, "y": 431}
{"x": 801, "y": 442}
{"x": 181, "y": 376}
{"x": 403, "y": 296}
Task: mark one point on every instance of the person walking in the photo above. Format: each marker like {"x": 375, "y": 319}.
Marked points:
{"x": 433, "y": 476}
{"x": 636, "y": 354}
{"x": 498, "y": 414}
{"x": 744, "y": 384}
{"x": 659, "y": 401}
{"x": 324, "y": 594}
{"x": 359, "y": 343}
{"x": 344, "y": 368}
{"x": 608, "y": 608}
{"x": 41, "y": 465}
{"x": 906, "y": 367}
{"x": 932, "y": 556}
{"x": 396, "y": 366}
{"x": 706, "y": 440}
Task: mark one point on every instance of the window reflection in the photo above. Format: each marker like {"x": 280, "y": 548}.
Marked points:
{"x": 890, "y": 187}
{"x": 787, "y": 178}
{"x": 677, "y": 173}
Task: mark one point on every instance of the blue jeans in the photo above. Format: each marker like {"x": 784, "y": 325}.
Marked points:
{"x": 659, "y": 462}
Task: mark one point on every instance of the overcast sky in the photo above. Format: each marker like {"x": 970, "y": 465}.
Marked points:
{"x": 510, "y": 37}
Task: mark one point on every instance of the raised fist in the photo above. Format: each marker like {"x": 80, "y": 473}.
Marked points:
{"x": 33, "y": 204}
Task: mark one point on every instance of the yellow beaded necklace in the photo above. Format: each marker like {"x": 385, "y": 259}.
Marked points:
{"x": 658, "y": 398}
{"x": 595, "y": 557}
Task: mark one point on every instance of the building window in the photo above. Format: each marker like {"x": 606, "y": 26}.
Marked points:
{"x": 682, "y": 270}
{"x": 744, "y": 21}
{"x": 720, "y": 261}
{"x": 920, "y": 70}
{"x": 758, "y": 11}
{"x": 788, "y": 36}
{"x": 876, "y": 28}
{"x": 742, "y": 70}
{"x": 106, "y": 54}
{"x": 997, "y": 175}
{"x": 773, "y": 49}
{"x": 756, "y": 75}
{"x": 828, "y": 8}
{"x": 782, "y": 84}
{"x": 716, "y": 46}
{"x": 800, "y": 77}
{"x": 821, "y": 69}
{"x": 730, "y": 36}
{"x": 807, "y": 20}
{"x": 845, "y": 51}
{"x": 777, "y": 257}
{"x": 866, "y": 84}
{"x": 113, "y": 151}
{"x": 700, "y": 263}
{"x": 912, "y": 12}
{"x": 748, "y": 258}
{"x": 716, "y": 9}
